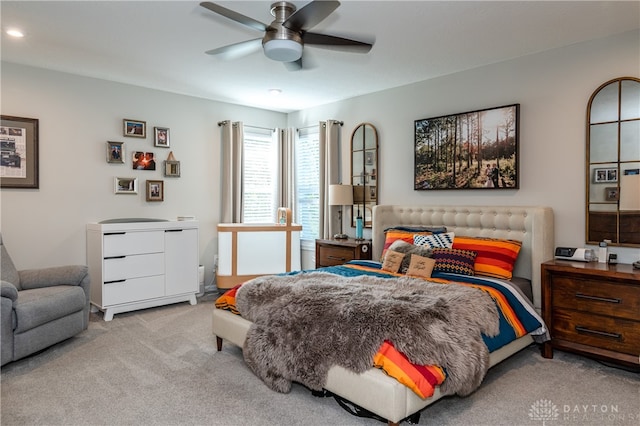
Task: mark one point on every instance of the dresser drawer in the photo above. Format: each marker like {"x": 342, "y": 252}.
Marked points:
{"x": 334, "y": 255}
{"x": 124, "y": 243}
{"x": 134, "y": 266}
{"x": 598, "y": 297}
{"x": 133, "y": 290}
{"x": 614, "y": 334}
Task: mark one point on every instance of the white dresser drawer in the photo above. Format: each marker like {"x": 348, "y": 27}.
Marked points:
{"x": 133, "y": 290}
{"x": 133, "y": 266}
{"x": 138, "y": 242}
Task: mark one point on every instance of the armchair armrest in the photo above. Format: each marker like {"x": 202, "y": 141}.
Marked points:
{"x": 8, "y": 290}
{"x": 58, "y": 275}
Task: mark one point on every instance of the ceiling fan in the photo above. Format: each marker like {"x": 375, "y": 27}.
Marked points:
{"x": 285, "y": 37}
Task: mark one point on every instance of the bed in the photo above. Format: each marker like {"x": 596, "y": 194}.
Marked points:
{"x": 373, "y": 390}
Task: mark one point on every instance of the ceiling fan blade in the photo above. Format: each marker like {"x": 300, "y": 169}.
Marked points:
{"x": 237, "y": 50}
{"x": 293, "y": 66}
{"x": 310, "y": 15}
{"x": 329, "y": 41}
{"x": 235, "y": 16}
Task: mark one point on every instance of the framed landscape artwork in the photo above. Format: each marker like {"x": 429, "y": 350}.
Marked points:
{"x": 471, "y": 150}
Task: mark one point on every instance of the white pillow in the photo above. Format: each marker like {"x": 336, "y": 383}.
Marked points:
{"x": 444, "y": 240}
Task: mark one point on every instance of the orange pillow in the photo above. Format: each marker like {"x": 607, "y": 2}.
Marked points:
{"x": 496, "y": 257}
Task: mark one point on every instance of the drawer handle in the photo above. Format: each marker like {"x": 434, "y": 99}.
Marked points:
{"x": 599, "y": 333}
{"x": 336, "y": 258}
{"x": 599, "y": 299}
{"x": 114, "y": 233}
{"x": 115, "y": 257}
{"x": 173, "y": 230}
{"x": 114, "y": 281}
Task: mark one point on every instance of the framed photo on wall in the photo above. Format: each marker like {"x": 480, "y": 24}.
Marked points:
{"x": 161, "y": 137}
{"x": 115, "y": 152}
{"x": 125, "y": 185}
{"x": 134, "y": 128}
{"x": 605, "y": 175}
{"x": 19, "y": 161}
{"x": 471, "y": 150}
{"x": 155, "y": 190}
{"x": 144, "y": 160}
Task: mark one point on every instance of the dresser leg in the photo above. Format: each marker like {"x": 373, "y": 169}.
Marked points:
{"x": 547, "y": 350}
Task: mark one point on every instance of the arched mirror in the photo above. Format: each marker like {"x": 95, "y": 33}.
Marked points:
{"x": 364, "y": 172}
{"x": 613, "y": 163}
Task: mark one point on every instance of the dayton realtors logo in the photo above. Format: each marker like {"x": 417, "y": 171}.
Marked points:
{"x": 543, "y": 410}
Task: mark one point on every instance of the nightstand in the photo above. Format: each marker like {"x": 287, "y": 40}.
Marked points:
{"x": 336, "y": 252}
{"x": 592, "y": 309}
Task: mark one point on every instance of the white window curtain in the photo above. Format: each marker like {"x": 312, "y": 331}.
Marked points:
{"x": 231, "y": 162}
{"x": 287, "y": 187}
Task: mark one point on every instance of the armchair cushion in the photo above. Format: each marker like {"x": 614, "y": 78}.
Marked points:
{"x": 8, "y": 290}
{"x": 8, "y": 271}
{"x": 42, "y": 305}
{"x": 47, "y": 277}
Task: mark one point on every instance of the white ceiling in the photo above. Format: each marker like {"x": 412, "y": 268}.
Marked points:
{"x": 161, "y": 44}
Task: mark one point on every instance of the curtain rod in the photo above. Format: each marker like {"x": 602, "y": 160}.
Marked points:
{"x": 222, "y": 123}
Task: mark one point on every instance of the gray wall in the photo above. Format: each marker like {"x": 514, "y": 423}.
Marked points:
{"x": 78, "y": 115}
{"x": 552, "y": 88}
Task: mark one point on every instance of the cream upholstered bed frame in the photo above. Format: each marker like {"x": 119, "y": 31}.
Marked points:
{"x": 373, "y": 389}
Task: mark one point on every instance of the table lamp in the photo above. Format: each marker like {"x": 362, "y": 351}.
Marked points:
{"x": 340, "y": 195}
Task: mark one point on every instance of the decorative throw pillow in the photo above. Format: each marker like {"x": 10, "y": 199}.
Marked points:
{"x": 393, "y": 234}
{"x": 454, "y": 261}
{"x": 496, "y": 257}
{"x": 408, "y": 249}
{"x": 392, "y": 261}
{"x": 436, "y": 240}
{"x": 420, "y": 266}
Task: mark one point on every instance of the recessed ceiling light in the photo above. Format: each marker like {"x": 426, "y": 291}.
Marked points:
{"x": 275, "y": 92}
{"x": 15, "y": 33}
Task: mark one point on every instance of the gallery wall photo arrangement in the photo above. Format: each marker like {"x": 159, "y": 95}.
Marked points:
{"x": 19, "y": 142}
{"x": 134, "y": 128}
{"x": 470, "y": 150}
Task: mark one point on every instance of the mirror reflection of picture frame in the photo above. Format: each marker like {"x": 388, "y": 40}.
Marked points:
{"x": 115, "y": 152}
{"x": 611, "y": 193}
{"x": 125, "y": 185}
{"x": 603, "y": 175}
{"x": 155, "y": 190}
{"x": 171, "y": 168}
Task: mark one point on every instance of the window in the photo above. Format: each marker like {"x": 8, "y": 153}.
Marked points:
{"x": 259, "y": 176}
{"x": 307, "y": 177}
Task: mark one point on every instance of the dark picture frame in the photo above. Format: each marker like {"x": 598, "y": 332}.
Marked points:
{"x": 161, "y": 137}
{"x": 115, "y": 152}
{"x": 470, "y": 150}
{"x": 155, "y": 190}
{"x": 19, "y": 164}
{"x": 134, "y": 128}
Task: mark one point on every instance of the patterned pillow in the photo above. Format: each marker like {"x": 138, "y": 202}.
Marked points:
{"x": 436, "y": 240}
{"x": 496, "y": 258}
{"x": 454, "y": 261}
{"x": 420, "y": 266}
{"x": 394, "y": 234}
{"x": 408, "y": 249}
{"x": 392, "y": 261}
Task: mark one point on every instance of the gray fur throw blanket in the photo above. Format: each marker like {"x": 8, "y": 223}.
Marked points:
{"x": 304, "y": 324}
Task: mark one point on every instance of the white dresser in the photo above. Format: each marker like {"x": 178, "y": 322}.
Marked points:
{"x": 137, "y": 265}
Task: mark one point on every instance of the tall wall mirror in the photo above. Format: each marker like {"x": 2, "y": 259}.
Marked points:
{"x": 364, "y": 172}
{"x": 613, "y": 163}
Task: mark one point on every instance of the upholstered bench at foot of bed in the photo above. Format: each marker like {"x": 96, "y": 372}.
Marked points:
{"x": 372, "y": 390}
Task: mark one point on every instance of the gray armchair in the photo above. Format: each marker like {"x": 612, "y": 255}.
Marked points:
{"x": 40, "y": 307}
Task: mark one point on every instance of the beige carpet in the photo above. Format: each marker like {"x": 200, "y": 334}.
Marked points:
{"x": 160, "y": 367}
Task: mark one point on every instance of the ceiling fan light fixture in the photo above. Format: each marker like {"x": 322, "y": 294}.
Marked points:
{"x": 283, "y": 50}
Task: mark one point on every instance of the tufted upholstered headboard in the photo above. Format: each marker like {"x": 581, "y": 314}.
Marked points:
{"x": 531, "y": 225}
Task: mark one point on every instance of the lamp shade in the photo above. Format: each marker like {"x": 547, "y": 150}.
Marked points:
{"x": 283, "y": 50}
{"x": 340, "y": 195}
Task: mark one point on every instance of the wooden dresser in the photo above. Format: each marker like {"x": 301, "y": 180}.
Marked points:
{"x": 592, "y": 309}
{"x": 337, "y": 252}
